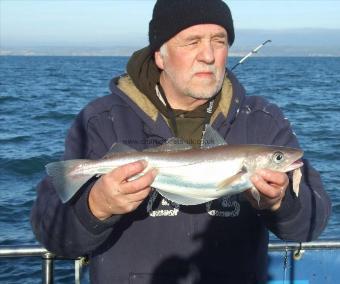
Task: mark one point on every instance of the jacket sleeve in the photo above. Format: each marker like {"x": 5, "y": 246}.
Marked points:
{"x": 70, "y": 229}
{"x": 303, "y": 217}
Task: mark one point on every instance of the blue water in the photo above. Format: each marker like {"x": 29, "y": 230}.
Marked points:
{"x": 39, "y": 97}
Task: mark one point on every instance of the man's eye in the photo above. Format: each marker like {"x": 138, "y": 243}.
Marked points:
{"x": 195, "y": 42}
{"x": 220, "y": 41}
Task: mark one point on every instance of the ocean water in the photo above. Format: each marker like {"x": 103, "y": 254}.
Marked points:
{"x": 39, "y": 97}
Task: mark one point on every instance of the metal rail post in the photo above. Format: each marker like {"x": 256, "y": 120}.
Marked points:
{"x": 47, "y": 268}
{"x": 77, "y": 270}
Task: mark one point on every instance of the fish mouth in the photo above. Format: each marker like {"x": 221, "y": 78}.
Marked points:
{"x": 297, "y": 164}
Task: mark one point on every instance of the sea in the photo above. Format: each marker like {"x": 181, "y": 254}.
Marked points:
{"x": 40, "y": 96}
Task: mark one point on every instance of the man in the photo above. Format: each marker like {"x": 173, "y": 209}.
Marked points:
{"x": 130, "y": 233}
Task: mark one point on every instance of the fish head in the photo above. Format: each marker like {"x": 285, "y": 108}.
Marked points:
{"x": 276, "y": 158}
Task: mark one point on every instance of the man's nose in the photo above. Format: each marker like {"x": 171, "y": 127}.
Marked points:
{"x": 206, "y": 53}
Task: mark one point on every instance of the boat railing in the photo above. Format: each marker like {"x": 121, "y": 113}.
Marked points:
{"x": 48, "y": 258}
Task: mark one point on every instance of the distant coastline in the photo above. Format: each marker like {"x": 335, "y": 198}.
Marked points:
{"x": 290, "y": 42}
{"x": 267, "y": 51}
{"x": 113, "y": 52}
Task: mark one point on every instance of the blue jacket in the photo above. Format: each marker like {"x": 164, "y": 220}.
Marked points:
{"x": 224, "y": 241}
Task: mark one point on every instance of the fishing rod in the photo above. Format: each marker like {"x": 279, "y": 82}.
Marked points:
{"x": 255, "y": 50}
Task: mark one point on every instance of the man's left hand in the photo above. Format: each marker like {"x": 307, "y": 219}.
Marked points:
{"x": 272, "y": 186}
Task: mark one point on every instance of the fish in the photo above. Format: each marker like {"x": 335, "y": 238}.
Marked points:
{"x": 185, "y": 175}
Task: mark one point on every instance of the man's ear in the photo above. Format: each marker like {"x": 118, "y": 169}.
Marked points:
{"x": 159, "y": 60}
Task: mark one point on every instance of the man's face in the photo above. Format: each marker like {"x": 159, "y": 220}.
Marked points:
{"x": 194, "y": 60}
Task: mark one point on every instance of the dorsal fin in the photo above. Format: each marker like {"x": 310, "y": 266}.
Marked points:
{"x": 211, "y": 138}
{"x": 172, "y": 144}
{"x": 119, "y": 148}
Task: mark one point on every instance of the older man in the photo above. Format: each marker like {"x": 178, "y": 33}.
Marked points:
{"x": 174, "y": 87}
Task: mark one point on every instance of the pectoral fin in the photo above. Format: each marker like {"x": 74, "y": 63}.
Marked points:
{"x": 230, "y": 180}
{"x": 256, "y": 195}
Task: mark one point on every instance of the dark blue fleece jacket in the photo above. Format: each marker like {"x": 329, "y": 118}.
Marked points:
{"x": 224, "y": 241}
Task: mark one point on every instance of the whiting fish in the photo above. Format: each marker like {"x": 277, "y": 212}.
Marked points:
{"x": 185, "y": 176}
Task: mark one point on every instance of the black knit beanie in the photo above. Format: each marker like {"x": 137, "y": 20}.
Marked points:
{"x": 172, "y": 16}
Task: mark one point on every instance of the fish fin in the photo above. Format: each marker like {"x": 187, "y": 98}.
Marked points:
{"x": 296, "y": 181}
{"x": 183, "y": 200}
{"x": 256, "y": 195}
{"x": 230, "y": 180}
{"x": 118, "y": 148}
{"x": 172, "y": 144}
{"x": 211, "y": 138}
{"x": 65, "y": 183}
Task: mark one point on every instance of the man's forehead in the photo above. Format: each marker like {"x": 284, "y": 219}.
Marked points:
{"x": 202, "y": 30}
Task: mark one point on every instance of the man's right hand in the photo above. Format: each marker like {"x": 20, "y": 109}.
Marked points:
{"x": 113, "y": 194}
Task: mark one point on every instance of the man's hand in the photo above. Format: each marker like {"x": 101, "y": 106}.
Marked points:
{"x": 114, "y": 194}
{"x": 272, "y": 187}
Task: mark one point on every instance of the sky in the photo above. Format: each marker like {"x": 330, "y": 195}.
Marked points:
{"x": 103, "y": 22}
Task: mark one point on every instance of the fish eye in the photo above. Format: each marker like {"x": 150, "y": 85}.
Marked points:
{"x": 278, "y": 157}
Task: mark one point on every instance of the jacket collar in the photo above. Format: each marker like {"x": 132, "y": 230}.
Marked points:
{"x": 233, "y": 95}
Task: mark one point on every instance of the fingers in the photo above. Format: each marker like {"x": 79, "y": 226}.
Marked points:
{"x": 273, "y": 176}
{"x": 271, "y": 186}
{"x": 139, "y": 196}
{"x": 264, "y": 187}
{"x": 127, "y": 171}
{"x": 270, "y": 183}
{"x": 139, "y": 183}
{"x": 114, "y": 193}
{"x": 264, "y": 202}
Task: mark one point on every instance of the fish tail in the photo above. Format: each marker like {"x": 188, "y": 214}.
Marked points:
{"x": 64, "y": 181}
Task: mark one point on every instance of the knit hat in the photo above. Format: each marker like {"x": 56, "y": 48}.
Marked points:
{"x": 172, "y": 16}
